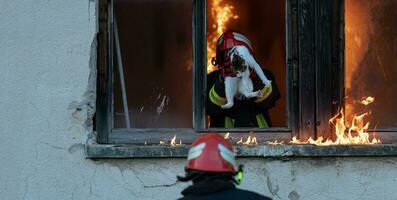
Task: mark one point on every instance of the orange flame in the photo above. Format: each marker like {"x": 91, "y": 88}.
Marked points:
{"x": 172, "y": 142}
{"x": 359, "y": 26}
{"x": 355, "y": 134}
{"x": 275, "y": 142}
{"x": 250, "y": 140}
{"x": 367, "y": 100}
{"x": 221, "y": 14}
{"x": 226, "y": 136}
{"x": 357, "y": 30}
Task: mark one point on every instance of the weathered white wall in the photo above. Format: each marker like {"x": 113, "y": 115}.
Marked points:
{"x": 46, "y": 48}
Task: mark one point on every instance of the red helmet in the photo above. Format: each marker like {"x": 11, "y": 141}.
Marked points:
{"x": 228, "y": 40}
{"x": 211, "y": 153}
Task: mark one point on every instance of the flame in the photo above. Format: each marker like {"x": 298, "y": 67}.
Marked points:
{"x": 226, "y": 136}
{"x": 355, "y": 134}
{"x": 173, "y": 141}
{"x": 250, "y": 140}
{"x": 367, "y": 100}
{"x": 359, "y": 29}
{"x": 221, "y": 13}
{"x": 296, "y": 141}
{"x": 275, "y": 142}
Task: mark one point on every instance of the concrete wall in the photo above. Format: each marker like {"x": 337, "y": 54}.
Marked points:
{"x": 47, "y": 96}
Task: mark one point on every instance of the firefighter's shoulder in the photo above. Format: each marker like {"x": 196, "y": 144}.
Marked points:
{"x": 232, "y": 194}
{"x": 245, "y": 194}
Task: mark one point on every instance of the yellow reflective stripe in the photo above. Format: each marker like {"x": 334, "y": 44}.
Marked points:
{"x": 262, "y": 123}
{"x": 258, "y": 119}
{"x": 266, "y": 92}
{"x": 229, "y": 122}
{"x": 215, "y": 98}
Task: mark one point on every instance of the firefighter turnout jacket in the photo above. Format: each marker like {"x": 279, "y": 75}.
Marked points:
{"x": 218, "y": 189}
{"x": 251, "y": 112}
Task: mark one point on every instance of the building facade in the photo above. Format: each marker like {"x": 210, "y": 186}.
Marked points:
{"x": 48, "y": 100}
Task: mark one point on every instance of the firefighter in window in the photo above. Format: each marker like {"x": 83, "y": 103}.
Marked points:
{"x": 247, "y": 111}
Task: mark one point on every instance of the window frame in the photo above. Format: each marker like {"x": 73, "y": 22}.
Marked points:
{"x": 307, "y": 106}
{"x": 306, "y": 20}
{"x": 105, "y": 121}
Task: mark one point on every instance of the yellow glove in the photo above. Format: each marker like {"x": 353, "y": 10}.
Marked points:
{"x": 264, "y": 93}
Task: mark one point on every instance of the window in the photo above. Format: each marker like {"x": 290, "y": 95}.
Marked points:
{"x": 370, "y": 62}
{"x": 153, "y": 63}
{"x": 155, "y": 41}
{"x": 154, "y": 59}
{"x": 327, "y": 51}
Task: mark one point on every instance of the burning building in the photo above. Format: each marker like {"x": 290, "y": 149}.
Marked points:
{"x": 85, "y": 83}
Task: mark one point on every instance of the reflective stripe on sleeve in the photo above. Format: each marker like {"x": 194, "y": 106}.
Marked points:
{"x": 215, "y": 98}
{"x": 229, "y": 122}
{"x": 266, "y": 92}
{"x": 262, "y": 123}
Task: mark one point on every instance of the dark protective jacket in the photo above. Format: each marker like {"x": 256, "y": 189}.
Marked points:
{"x": 218, "y": 190}
{"x": 245, "y": 113}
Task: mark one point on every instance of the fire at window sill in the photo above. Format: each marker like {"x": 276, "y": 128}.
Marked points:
{"x": 350, "y": 141}
{"x": 263, "y": 149}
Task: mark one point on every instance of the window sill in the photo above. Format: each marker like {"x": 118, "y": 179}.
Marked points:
{"x": 94, "y": 150}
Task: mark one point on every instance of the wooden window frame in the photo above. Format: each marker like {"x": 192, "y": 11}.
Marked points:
{"x": 314, "y": 77}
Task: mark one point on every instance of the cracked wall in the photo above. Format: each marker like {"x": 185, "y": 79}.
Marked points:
{"x": 47, "y": 101}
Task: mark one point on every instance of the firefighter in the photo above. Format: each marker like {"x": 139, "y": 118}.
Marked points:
{"x": 211, "y": 167}
{"x": 251, "y": 112}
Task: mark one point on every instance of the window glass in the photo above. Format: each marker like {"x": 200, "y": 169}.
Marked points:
{"x": 371, "y": 59}
{"x": 156, "y": 48}
{"x": 263, "y": 23}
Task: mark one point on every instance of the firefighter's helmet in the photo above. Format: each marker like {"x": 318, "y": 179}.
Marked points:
{"x": 227, "y": 41}
{"x": 211, "y": 153}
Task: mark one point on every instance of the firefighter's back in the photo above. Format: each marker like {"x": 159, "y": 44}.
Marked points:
{"x": 231, "y": 194}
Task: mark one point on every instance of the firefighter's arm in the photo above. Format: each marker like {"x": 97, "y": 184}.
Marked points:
{"x": 215, "y": 95}
{"x": 269, "y": 94}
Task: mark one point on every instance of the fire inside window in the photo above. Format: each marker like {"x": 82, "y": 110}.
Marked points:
{"x": 370, "y": 74}
{"x": 371, "y": 60}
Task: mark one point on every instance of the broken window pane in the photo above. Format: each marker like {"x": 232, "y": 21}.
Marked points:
{"x": 263, "y": 22}
{"x": 156, "y": 48}
{"x": 371, "y": 59}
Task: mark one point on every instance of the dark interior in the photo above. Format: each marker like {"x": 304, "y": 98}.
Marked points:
{"x": 156, "y": 48}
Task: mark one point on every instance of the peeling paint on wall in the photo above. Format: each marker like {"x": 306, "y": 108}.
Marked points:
{"x": 84, "y": 111}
